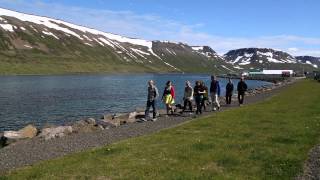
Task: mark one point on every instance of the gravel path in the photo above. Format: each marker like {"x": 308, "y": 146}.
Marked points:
{"x": 29, "y": 152}
{"x": 311, "y": 168}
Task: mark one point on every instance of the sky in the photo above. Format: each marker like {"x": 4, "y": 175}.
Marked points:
{"x": 288, "y": 25}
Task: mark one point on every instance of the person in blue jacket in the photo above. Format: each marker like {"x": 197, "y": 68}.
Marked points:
{"x": 215, "y": 93}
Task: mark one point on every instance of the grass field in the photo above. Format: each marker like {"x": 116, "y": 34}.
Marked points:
{"x": 268, "y": 140}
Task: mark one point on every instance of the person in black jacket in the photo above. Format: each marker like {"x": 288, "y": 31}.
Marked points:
{"x": 199, "y": 92}
{"x": 215, "y": 93}
{"x": 229, "y": 91}
{"x": 242, "y": 88}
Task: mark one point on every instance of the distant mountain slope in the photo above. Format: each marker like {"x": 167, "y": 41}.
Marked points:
{"x": 39, "y": 45}
{"x": 314, "y": 61}
{"x": 264, "y": 58}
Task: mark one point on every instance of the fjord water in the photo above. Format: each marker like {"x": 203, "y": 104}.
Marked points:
{"x": 47, "y": 100}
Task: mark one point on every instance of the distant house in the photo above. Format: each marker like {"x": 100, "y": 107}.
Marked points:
{"x": 282, "y": 73}
{"x": 277, "y": 72}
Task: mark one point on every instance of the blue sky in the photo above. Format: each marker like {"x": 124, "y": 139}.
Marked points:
{"x": 289, "y": 25}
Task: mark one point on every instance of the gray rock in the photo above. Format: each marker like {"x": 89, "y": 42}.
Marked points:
{"x": 27, "y": 132}
{"x": 100, "y": 127}
{"x": 125, "y": 118}
{"x": 3, "y": 140}
{"x": 91, "y": 121}
{"x": 105, "y": 125}
{"x": 88, "y": 125}
{"x": 55, "y": 132}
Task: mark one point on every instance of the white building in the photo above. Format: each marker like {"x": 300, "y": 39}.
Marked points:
{"x": 277, "y": 72}
{"x": 272, "y": 73}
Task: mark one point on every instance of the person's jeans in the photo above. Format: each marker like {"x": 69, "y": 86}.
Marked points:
{"x": 199, "y": 104}
{"x": 215, "y": 100}
{"x": 228, "y": 98}
{"x": 187, "y": 102}
{"x": 153, "y": 105}
{"x": 240, "y": 97}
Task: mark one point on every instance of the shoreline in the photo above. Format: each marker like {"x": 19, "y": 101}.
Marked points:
{"x": 105, "y": 74}
{"x": 42, "y": 122}
{"x": 30, "y": 151}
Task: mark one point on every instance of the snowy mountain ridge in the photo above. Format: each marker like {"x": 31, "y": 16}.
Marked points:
{"x": 314, "y": 61}
{"x": 264, "y": 58}
{"x": 30, "y": 38}
{"x": 58, "y": 25}
{"x": 25, "y": 34}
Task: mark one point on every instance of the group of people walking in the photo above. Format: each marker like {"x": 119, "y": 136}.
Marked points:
{"x": 199, "y": 93}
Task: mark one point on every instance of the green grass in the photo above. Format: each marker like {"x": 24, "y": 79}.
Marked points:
{"x": 267, "y": 140}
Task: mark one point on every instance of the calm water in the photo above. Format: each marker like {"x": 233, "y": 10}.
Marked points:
{"x": 42, "y": 100}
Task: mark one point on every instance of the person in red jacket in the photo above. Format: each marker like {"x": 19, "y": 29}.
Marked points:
{"x": 169, "y": 96}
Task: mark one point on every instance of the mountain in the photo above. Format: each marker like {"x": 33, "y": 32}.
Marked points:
{"x": 211, "y": 54}
{"x": 32, "y": 44}
{"x": 314, "y": 61}
{"x": 264, "y": 58}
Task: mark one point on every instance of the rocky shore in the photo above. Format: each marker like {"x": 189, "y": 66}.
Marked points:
{"x": 30, "y": 145}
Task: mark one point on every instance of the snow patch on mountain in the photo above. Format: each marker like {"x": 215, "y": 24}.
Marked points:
{"x": 171, "y": 52}
{"x": 246, "y": 62}
{"x": 272, "y": 60}
{"x": 237, "y": 59}
{"x": 7, "y": 27}
{"x": 269, "y": 54}
{"x": 88, "y": 44}
{"x": 314, "y": 65}
{"x": 197, "y": 48}
{"x": 50, "y": 34}
{"x": 237, "y": 67}
{"x": 172, "y": 66}
{"x": 227, "y": 68}
{"x": 140, "y": 53}
{"x": 248, "y": 55}
{"x": 106, "y": 42}
{"x": 98, "y": 42}
{"x": 87, "y": 38}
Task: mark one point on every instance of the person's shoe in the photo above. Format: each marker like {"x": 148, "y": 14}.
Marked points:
{"x": 154, "y": 119}
{"x": 218, "y": 108}
{"x": 143, "y": 120}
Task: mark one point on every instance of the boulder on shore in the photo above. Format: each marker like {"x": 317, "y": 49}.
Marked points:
{"x": 120, "y": 119}
{"x": 2, "y": 140}
{"x": 10, "y": 137}
{"x": 55, "y": 132}
{"x": 105, "y": 125}
{"x": 87, "y": 125}
{"x": 116, "y": 119}
{"x": 27, "y": 132}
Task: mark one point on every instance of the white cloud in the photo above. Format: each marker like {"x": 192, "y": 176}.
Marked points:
{"x": 154, "y": 27}
{"x": 293, "y": 49}
{"x": 301, "y": 52}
